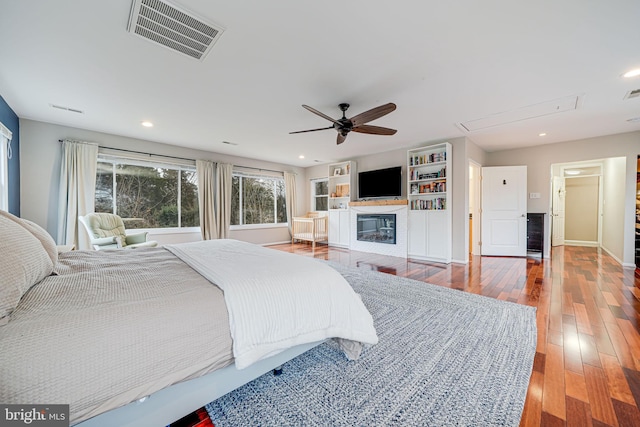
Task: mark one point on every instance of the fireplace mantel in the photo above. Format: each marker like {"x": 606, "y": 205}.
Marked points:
{"x": 378, "y": 203}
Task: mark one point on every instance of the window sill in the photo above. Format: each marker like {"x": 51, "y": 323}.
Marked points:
{"x": 171, "y": 230}
{"x": 257, "y": 226}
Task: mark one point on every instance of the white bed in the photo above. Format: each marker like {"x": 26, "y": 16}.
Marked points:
{"x": 174, "y": 402}
{"x": 144, "y": 337}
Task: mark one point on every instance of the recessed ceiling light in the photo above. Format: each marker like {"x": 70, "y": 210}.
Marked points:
{"x": 572, "y": 172}
{"x": 229, "y": 143}
{"x": 634, "y": 120}
{"x": 147, "y": 124}
{"x": 632, "y": 73}
{"x": 542, "y": 134}
{"x": 301, "y": 156}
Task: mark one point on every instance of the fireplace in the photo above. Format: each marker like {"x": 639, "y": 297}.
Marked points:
{"x": 376, "y": 228}
{"x": 396, "y": 211}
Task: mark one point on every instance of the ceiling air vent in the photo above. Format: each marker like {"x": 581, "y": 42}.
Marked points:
{"x": 169, "y": 26}
{"x": 61, "y": 107}
{"x": 632, "y": 94}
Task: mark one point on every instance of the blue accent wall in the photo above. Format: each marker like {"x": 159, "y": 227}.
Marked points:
{"x": 9, "y": 118}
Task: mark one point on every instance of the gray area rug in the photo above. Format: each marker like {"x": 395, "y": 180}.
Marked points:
{"x": 445, "y": 358}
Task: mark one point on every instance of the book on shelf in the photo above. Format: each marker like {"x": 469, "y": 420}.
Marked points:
{"x": 437, "y": 204}
{"x": 424, "y": 159}
{"x": 431, "y": 187}
{"x": 418, "y": 175}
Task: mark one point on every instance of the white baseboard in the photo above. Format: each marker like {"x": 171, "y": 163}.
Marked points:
{"x": 275, "y": 243}
{"x": 618, "y": 260}
{"x": 581, "y": 243}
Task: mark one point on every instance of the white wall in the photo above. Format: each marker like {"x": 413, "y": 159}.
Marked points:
{"x": 476, "y": 154}
{"x": 459, "y": 175}
{"x": 40, "y": 154}
{"x": 539, "y": 160}
{"x": 619, "y": 241}
{"x": 613, "y": 214}
{"x": 581, "y": 209}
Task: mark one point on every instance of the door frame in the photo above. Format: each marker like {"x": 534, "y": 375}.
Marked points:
{"x": 553, "y": 209}
{"x": 475, "y": 231}
{"x": 561, "y": 173}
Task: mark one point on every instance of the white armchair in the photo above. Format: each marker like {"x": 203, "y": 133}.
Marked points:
{"x": 107, "y": 231}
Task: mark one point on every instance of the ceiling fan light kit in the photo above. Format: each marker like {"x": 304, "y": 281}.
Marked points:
{"x": 356, "y": 123}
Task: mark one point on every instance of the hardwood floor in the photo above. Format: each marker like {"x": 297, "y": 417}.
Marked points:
{"x": 587, "y": 366}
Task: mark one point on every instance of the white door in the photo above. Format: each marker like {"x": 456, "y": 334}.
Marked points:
{"x": 504, "y": 211}
{"x": 557, "y": 211}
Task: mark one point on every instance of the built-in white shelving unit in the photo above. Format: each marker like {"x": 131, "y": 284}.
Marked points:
{"x": 429, "y": 196}
{"x": 342, "y": 190}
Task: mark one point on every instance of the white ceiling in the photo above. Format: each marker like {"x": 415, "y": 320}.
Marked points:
{"x": 441, "y": 62}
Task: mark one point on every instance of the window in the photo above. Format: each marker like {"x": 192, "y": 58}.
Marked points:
{"x": 257, "y": 200}
{"x": 319, "y": 194}
{"x": 147, "y": 195}
{"x": 5, "y": 154}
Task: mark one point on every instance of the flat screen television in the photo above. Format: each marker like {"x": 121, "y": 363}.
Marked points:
{"x": 380, "y": 183}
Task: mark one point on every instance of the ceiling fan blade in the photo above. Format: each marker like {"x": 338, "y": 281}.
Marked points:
{"x": 341, "y": 138}
{"x": 311, "y": 130}
{"x": 314, "y": 111}
{"x": 375, "y": 130}
{"x": 372, "y": 114}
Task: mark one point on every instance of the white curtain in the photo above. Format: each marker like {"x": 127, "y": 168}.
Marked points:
{"x": 5, "y": 155}
{"x": 290, "y": 196}
{"x": 77, "y": 190}
{"x": 206, "y": 171}
{"x": 224, "y": 179}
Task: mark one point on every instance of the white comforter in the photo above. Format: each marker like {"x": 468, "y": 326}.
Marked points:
{"x": 277, "y": 300}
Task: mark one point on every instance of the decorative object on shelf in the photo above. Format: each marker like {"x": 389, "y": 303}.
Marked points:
{"x": 336, "y": 172}
{"x": 355, "y": 123}
{"x": 342, "y": 190}
{"x": 348, "y": 167}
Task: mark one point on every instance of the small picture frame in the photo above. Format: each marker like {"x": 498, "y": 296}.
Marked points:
{"x": 337, "y": 172}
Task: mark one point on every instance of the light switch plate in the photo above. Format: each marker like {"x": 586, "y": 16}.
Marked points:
{"x": 534, "y": 195}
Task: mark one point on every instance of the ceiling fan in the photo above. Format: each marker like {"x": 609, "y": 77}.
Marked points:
{"x": 355, "y": 123}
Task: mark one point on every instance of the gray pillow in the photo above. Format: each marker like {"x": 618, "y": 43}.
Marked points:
{"x": 39, "y": 233}
{"x": 25, "y": 262}
{"x": 45, "y": 238}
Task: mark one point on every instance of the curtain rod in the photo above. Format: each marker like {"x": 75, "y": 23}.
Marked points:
{"x": 138, "y": 152}
{"x": 173, "y": 157}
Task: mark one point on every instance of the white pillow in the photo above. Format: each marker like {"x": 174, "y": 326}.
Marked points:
{"x": 25, "y": 262}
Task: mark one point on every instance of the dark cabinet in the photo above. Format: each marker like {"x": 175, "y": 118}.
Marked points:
{"x": 535, "y": 232}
